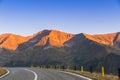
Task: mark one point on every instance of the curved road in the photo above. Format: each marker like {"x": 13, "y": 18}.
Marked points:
{"x": 38, "y": 74}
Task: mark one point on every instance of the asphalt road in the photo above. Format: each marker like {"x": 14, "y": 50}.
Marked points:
{"x": 38, "y": 74}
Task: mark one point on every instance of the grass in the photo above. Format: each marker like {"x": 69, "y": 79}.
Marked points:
{"x": 2, "y": 71}
{"x": 94, "y": 76}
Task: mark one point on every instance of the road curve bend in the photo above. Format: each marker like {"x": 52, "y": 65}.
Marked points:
{"x": 57, "y": 75}
{"x": 5, "y": 74}
{"x": 39, "y": 74}
{"x": 19, "y": 74}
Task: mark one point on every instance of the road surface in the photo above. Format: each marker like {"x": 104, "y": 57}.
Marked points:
{"x": 39, "y": 74}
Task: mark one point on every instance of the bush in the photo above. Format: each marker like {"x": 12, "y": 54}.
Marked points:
{"x": 2, "y": 71}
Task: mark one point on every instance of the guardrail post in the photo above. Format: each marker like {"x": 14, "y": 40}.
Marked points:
{"x": 91, "y": 69}
{"x": 75, "y": 68}
{"x": 55, "y": 67}
{"x": 82, "y": 69}
{"x": 63, "y": 68}
{"x": 119, "y": 73}
{"x": 44, "y": 67}
{"x": 58, "y": 67}
{"x": 51, "y": 67}
{"x": 103, "y": 72}
{"x": 68, "y": 67}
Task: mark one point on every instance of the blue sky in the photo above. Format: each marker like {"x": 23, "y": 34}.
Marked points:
{"x": 25, "y": 17}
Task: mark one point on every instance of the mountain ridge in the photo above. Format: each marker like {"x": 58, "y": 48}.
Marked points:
{"x": 55, "y": 38}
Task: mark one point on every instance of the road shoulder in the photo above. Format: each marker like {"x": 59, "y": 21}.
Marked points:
{"x": 5, "y": 74}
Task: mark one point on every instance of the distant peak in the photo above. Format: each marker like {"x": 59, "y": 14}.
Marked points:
{"x": 50, "y": 32}
{"x": 58, "y": 31}
{"x": 45, "y": 30}
{"x": 55, "y": 31}
{"x": 116, "y": 38}
{"x": 10, "y": 34}
{"x": 41, "y": 32}
{"x": 86, "y": 35}
{"x": 118, "y": 32}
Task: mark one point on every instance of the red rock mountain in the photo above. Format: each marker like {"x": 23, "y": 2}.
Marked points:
{"x": 54, "y": 38}
{"x": 111, "y": 39}
{"x": 47, "y": 38}
{"x": 12, "y": 41}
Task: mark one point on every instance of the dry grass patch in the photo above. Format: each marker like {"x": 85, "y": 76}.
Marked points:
{"x": 94, "y": 76}
{"x": 2, "y": 71}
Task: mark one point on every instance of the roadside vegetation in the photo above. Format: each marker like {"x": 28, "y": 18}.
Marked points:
{"x": 2, "y": 71}
{"x": 95, "y": 76}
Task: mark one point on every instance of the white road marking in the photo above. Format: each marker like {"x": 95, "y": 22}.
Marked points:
{"x": 76, "y": 75}
{"x": 35, "y": 74}
{"x": 5, "y": 74}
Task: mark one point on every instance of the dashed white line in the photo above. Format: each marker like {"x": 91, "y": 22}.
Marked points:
{"x": 35, "y": 74}
{"x": 5, "y": 74}
{"x": 76, "y": 75}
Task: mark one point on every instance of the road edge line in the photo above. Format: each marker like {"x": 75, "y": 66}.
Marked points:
{"x": 5, "y": 74}
{"x": 35, "y": 74}
{"x": 76, "y": 75}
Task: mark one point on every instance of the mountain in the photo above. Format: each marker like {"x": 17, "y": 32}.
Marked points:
{"x": 52, "y": 47}
{"x": 47, "y": 38}
{"x": 12, "y": 41}
{"x": 112, "y": 39}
